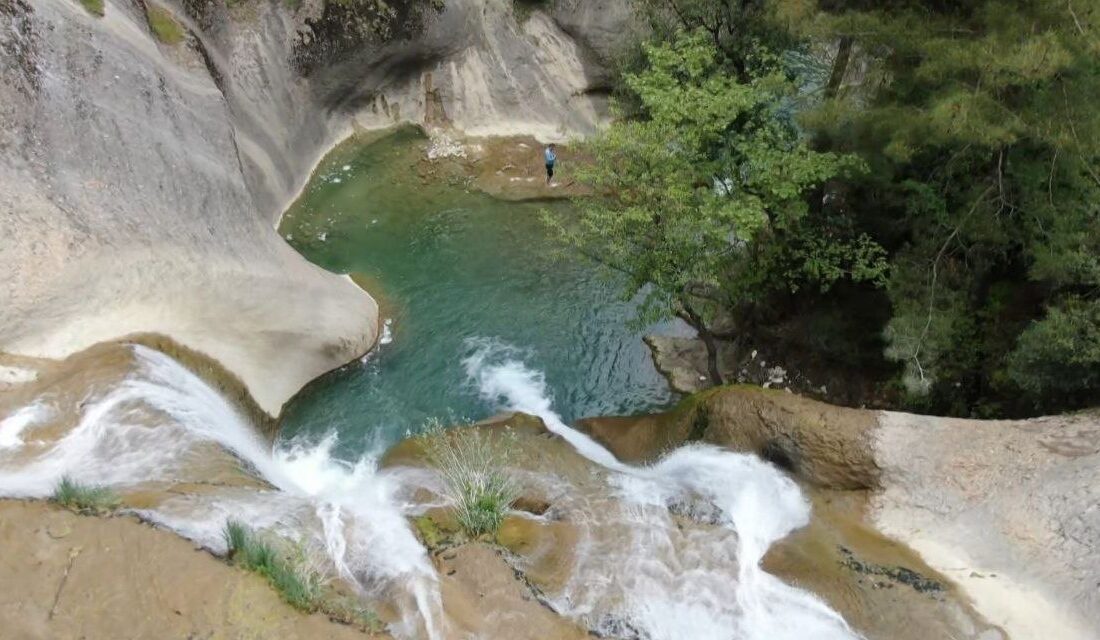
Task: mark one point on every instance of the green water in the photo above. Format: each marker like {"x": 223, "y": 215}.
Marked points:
{"x": 456, "y": 271}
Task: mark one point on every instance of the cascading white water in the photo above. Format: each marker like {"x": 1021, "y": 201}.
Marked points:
{"x": 637, "y": 573}
{"x": 155, "y": 423}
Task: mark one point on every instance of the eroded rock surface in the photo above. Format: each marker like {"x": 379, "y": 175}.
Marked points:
{"x": 141, "y": 180}
{"x": 126, "y": 207}
{"x": 549, "y": 552}
{"x": 1010, "y": 510}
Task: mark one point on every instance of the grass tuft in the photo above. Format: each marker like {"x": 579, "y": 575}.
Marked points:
{"x": 298, "y": 586}
{"x": 164, "y": 26}
{"x": 94, "y": 7}
{"x": 294, "y": 577}
{"x": 89, "y": 500}
{"x": 472, "y": 462}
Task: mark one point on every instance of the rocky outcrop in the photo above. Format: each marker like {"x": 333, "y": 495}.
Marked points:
{"x": 826, "y": 445}
{"x": 140, "y": 180}
{"x": 1005, "y": 509}
{"x": 127, "y": 204}
{"x": 1010, "y": 510}
{"x": 477, "y": 69}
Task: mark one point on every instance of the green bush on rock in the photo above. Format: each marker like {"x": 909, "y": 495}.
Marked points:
{"x": 164, "y": 26}
{"x": 295, "y": 582}
{"x": 471, "y": 463}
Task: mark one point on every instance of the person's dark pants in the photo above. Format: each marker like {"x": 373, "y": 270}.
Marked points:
{"x": 549, "y": 172}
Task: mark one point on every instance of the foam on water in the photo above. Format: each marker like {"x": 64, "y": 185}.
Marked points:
{"x": 639, "y": 574}
{"x": 12, "y": 427}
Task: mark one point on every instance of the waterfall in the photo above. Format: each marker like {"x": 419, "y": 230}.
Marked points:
{"x": 640, "y": 575}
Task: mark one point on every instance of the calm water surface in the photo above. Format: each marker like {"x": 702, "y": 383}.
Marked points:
{"x": 458, "y": 273}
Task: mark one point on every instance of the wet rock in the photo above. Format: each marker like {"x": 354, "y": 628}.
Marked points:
{"x": 531, "y": 504}
{"x": 901, "y": 575}
{"x": 484, "y": 597}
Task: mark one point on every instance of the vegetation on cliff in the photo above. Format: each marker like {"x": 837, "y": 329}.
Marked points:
{"x": 94, "y": 7}
{"x": 163, "y": 25}
{"x": 909, "y": 188}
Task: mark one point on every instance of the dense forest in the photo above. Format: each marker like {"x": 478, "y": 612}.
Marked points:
{"x": 907, "y": 190}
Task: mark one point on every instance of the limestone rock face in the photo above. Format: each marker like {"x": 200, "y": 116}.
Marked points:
{"x": 83, "y": 577}
{"x": 140, "y": 181}
{"x": 484, "y": 69}
{"x": 1010, "y": 510}
{"x": 125, "y": 207}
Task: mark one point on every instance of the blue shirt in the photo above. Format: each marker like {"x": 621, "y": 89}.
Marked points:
{"x": 550, "y": 157}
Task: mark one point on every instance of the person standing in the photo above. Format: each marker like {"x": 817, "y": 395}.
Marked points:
{"x": 551, "y": 158}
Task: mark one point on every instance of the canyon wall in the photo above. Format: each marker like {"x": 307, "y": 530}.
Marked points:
{"x": 141, "y": 179}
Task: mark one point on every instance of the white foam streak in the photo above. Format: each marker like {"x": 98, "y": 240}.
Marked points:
{"x": 12, "y": 427}
{"x": 500, "y": 376}
{"x": 638, "y": 572}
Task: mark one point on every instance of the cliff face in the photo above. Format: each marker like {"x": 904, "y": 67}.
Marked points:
{"x": 140, "y": 181}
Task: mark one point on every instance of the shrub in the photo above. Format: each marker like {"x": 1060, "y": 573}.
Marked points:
{"x": 164, "y": 26}
{"x": 1057, "y": 358}
{"x": 84, "y": 498}
{"x": 471, "y": 464}
{"x": 293, "y": 575}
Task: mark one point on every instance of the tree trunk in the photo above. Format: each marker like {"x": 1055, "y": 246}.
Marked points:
{"x": 840, "y": 66}
{"x": 696, "y": 321}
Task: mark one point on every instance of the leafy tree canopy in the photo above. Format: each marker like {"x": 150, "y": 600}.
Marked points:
{"x": 702, "y": 199}
{"x": 977, "y": 119}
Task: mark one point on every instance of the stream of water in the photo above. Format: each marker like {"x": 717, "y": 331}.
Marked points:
{"x": 483, "y": 323}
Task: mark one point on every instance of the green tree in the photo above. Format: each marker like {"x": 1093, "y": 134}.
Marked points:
{"x": 738, "y": 30}
{"x": 702, "y": 197}
{"x": 983, "y": 140}
{"x": 1057, "y": 359}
